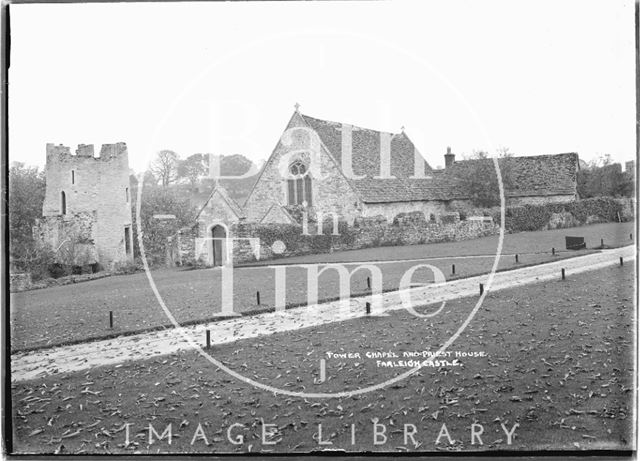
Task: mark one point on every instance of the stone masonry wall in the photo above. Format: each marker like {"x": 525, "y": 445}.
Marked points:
{"x": 216, "y": 210}
{"x": 540, "y": 200}
{"x": 180, "y": 247}
{"x": 331, "y": 193}
{"x": 281, "y": 240}
{"x": 414, "y": 229}
{"x": 93, "y": 184}
{"x": 390, "y": 210}
{"x": 72, "y": 237}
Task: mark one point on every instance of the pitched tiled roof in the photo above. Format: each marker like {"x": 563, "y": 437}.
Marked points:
{"x": 365, "y": 157}
{"x": 529, "y": 176}
{"x": 237, "y": 209}
{"x": 402, "y": 190}
{"x": 277, "y": 209}
{"x": 539, "y": 175}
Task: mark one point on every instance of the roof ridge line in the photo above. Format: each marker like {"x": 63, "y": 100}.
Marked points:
{"x": 352, "y": 125}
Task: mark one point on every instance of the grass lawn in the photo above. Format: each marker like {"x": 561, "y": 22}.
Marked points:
{"x": 556, "y": 358}
{"x": 71, "y": 313}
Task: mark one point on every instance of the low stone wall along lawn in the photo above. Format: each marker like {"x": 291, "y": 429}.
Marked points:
{"x": 407, "y": 229}
{"x": 286, "y": 240}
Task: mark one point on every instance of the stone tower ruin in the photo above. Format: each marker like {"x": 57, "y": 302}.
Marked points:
{"x": 87, "y": 206}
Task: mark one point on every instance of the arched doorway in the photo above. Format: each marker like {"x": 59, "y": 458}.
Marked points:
{"x": 218, "y": 245}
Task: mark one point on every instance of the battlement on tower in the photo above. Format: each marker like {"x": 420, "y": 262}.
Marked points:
{"x": 108, "y": 152}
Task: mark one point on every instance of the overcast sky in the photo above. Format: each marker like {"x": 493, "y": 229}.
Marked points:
{"x": 538, "y": 77}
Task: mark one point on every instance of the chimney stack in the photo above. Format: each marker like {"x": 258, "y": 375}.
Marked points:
{"x": 449, "y": 158}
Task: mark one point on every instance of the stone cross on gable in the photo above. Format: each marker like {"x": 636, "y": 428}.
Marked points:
{"x": 297, "y": 107}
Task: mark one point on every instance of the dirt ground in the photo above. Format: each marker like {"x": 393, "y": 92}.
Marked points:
{"x": 556, "y": 358}
{"x": 71, "y": 313}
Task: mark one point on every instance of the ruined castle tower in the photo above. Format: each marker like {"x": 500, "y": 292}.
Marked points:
{"x": 87, "y": 206}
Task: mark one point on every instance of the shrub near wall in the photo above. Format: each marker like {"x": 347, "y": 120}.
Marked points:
{"x": 294, "y": 240}
{"x": 606, "y": 208}
{"x": 408, "y": 229}
{"x": 537, "y": 217}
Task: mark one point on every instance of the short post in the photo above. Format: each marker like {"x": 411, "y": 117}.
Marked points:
{"x": 630, "y": 236}
{"x": 481, "y": 289}
{"x": 368, "y": 308}
{"x": 516, "y": 258}
{"x": 110, "y": 319}
{"x": 601, "y": 242}
{"x": 453, "y": 269}
{"x": 208, "y": 333}
{"x": 621, "y": 261}
{"x": 369, "y": 282}
{"x": 563, "y": 275}
{"x": 553, "y": 251}
{"x": 258, "y": 297}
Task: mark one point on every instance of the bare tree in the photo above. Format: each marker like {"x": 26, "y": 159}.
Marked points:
{"x": 601, "y": 161}
{"x": 165, "y": 167}
{"x": 476, "y": 154}
{"x": 504, "y": 152}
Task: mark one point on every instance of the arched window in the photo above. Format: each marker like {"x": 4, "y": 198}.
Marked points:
{"x": 299, "y": 184}
{"x": 63, "y": 202}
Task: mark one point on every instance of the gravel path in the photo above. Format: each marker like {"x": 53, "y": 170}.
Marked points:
{"x": 83, "y": 356}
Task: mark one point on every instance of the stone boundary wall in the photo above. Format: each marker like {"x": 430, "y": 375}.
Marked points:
{"x": 407, "y": 229}
{"x": 570, "y": 214}
{"x": 181, "y": 247}
{"x": 17, "y": 285}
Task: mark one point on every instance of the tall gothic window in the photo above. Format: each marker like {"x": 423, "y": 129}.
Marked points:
{"x": 299, "y": 184}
